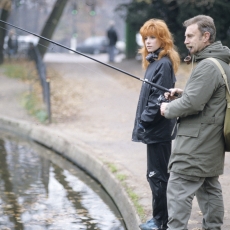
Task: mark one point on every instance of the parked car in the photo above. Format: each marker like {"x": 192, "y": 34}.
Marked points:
{"x": 99, "y": 44}
{"x": 140, "y": 44}
{"x": 120, "y": 47}
{"x": 23, "y": 44}
{"x": 93, "y": 45}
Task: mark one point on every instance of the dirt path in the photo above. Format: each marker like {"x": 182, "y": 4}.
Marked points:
{"x": 105, "y": 118}
{"x": 105, "y": 122}
{"x": 97, "y": 105}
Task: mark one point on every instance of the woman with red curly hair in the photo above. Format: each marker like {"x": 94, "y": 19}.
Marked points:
{"x": 161, "y": 61}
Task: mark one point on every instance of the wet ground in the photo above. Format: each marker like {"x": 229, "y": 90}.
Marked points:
{"x": 41, "y": 190}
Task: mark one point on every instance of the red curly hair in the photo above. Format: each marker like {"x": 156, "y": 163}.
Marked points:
{"x": 158, "y": 29}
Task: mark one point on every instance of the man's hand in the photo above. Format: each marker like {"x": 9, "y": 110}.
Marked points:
{"x": 170, "y": 96}
{"x": 163, "y": 107}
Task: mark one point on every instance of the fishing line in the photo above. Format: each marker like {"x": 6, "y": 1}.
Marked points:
{"x": 82, "y": 54}
{"x": 53, "y": 49}
{"x": 79, "y": 64}
{"x": 158, "y": 87}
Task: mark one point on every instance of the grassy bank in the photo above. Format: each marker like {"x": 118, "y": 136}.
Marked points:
{"x": 31, "y": 100}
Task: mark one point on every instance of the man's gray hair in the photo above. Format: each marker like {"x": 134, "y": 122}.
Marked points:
{"x": 205, "y": 24}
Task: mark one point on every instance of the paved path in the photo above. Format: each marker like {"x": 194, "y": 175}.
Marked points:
{"x": 104, "y": 120}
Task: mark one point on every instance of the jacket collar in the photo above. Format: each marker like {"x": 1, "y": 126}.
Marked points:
{"x": 153, "y": 56}
{"x": 215, "y": 50}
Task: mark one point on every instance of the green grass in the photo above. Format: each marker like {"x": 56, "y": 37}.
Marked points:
{"x": 25, "y": 71}
{"x": 31, "y": 103}
{"x": 135, "y": 199}
{"x": 121, "y": 177}
{"x": 15, "y": 70}
{"x": 133, "y": 196}
{"x": 112, "y": 167}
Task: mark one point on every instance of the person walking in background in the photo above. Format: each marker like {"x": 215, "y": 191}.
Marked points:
{"x": 197, "y": 158}
{"x": 112, "y": 40}
{"x": 12, "y": 44}
{"x": 161, "y": 61}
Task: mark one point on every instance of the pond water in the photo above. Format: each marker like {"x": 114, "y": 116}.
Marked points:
{"x": 41, "y": 190}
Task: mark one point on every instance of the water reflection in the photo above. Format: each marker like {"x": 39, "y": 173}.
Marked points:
{"x": 41, "y": 190}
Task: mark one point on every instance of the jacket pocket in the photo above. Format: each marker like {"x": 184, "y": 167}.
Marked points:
{"x": 189, "y": 130}
{"x": 140, "y": 133}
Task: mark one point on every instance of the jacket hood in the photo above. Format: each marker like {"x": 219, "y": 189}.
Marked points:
{"x": 215, "y": 50}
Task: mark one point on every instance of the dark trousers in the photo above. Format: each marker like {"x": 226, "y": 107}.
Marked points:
{"x": 157, "y": 175}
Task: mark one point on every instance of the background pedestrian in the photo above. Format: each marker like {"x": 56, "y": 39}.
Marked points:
{"x": 112, "y": 40}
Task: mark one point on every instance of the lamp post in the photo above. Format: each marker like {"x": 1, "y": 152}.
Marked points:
{"x": 73, "y": 41}
{"x": 92, "y": 13}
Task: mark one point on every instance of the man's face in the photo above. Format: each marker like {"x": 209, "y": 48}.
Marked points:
{"x": 194, "y": 40}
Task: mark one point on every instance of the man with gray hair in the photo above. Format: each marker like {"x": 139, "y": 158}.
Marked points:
{"x": 197, "y": 158}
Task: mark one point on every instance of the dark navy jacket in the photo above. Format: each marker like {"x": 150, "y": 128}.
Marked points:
{"x": 157, "y": 128}
{"x": 112, "y": 36}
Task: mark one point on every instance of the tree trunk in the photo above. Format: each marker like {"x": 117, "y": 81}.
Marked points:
{"x": 5, "y": 7}
{"x": 50, "y": 25}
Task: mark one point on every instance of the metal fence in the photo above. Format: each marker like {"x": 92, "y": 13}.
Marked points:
{"x": 34, "y": 55}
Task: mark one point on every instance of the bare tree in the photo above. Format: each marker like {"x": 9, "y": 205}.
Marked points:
{"x": 51, "y": 24}
{"x": 5, "y": 7}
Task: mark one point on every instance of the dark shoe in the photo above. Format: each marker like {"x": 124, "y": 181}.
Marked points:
{"x": 151, "y": 225}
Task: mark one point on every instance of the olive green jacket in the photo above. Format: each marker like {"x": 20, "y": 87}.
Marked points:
{"x": 199, "y": 146}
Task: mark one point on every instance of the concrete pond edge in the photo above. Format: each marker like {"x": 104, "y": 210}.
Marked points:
{"x": 78, "y": 153}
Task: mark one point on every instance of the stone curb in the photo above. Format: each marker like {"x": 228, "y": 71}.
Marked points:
{"x": 78, "y": 153}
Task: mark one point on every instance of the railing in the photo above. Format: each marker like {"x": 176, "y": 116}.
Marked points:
{"x": 34, "y": 55}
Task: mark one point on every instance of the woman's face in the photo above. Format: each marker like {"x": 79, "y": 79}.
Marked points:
{"x": 152, "y": 44}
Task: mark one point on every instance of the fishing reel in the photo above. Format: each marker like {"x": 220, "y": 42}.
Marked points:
{"x": 161, "y": 99}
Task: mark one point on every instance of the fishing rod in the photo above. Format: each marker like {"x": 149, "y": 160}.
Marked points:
{"x": 82, "y": 54}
